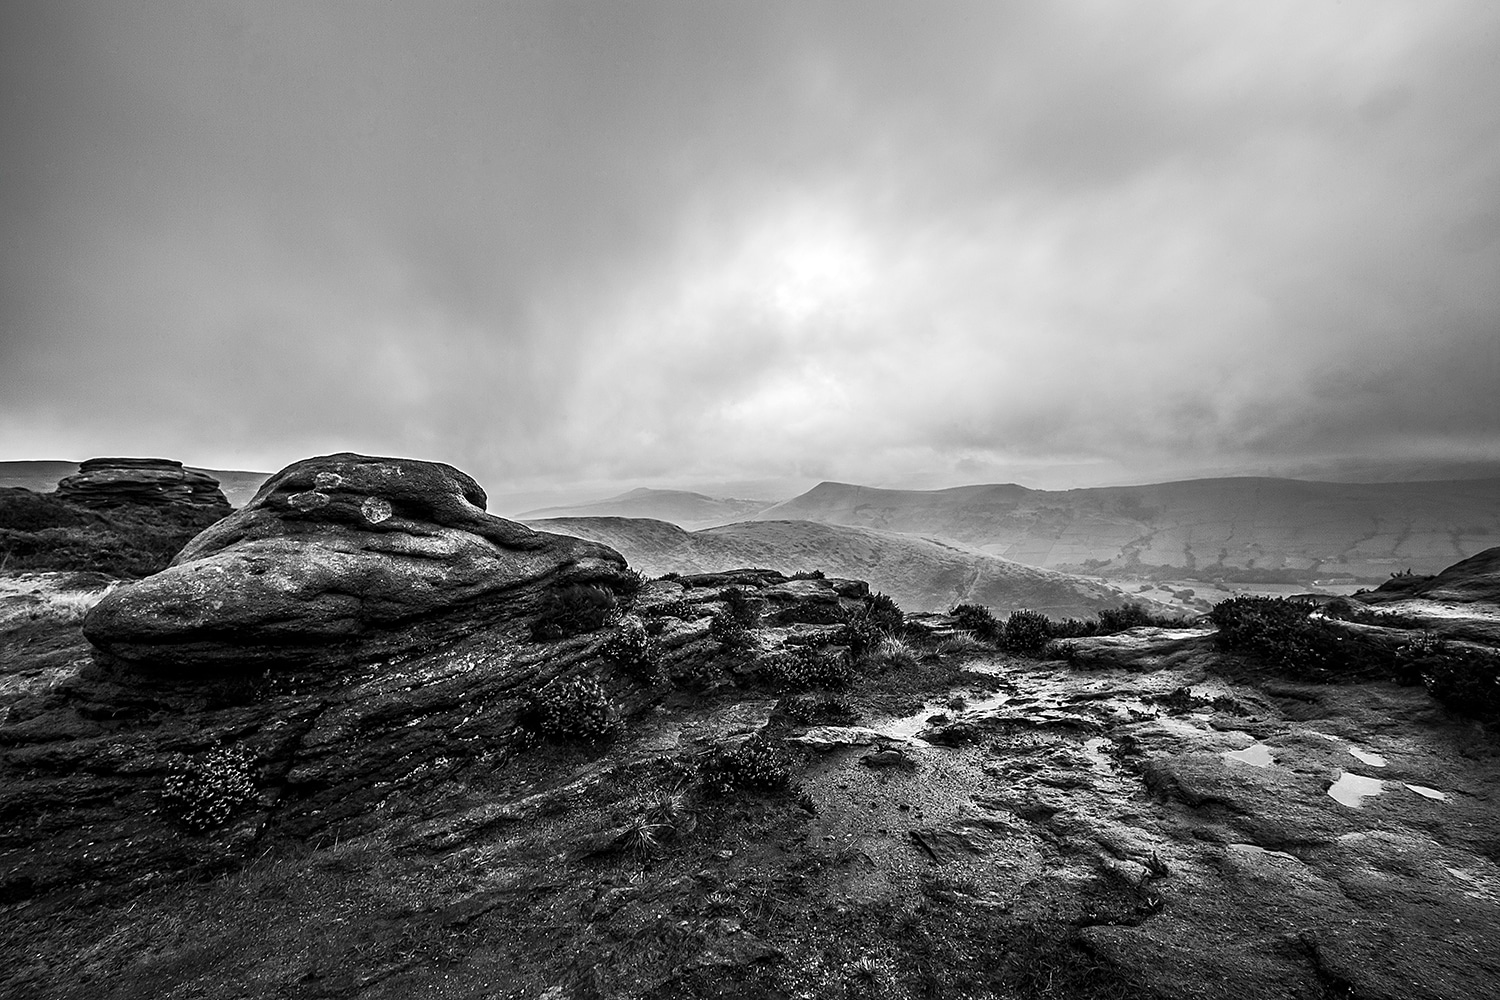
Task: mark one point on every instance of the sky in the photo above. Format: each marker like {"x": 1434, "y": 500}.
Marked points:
{"x": 578, "y": 246}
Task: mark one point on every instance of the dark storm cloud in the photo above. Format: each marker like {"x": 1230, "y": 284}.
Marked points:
{"x": 566, "y": 242}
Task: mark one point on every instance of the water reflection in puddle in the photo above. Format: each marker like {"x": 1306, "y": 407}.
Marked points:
{"x": 1352, "y": 789}
{"x": 1257, "y": 754}
{"x": 908, "y": 726}
{"x": 1366, "y": 756}
{"x": 1428, "y": 793}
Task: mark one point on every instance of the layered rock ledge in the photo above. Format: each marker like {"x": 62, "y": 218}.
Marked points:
{"x": 342, "y": 556}
{"x": 116, "y": 482}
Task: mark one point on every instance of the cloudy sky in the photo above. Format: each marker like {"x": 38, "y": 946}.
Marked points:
{"x": 681, "y": 243}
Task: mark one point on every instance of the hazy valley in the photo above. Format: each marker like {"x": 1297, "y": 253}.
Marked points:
{"x": 921, "y": 574}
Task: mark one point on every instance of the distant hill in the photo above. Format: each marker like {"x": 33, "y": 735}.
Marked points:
{"x": 1242, "y": 529}
{"x": 42, "y": 477}
{"x": 680, "y": 507}
{"x": 922, "y": 575}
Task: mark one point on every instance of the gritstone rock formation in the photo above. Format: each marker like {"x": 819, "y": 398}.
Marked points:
{"x": 343, "y": 555}
{"x": 114, "y": 482}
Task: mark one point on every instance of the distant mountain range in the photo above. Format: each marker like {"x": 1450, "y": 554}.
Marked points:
{"x": 680, "y": 507}
{"x": 42, "y": 477}
{"x": 1237, "y": 529}
{"x": 1234, "y": 531}
{"x": 921, "y": 574}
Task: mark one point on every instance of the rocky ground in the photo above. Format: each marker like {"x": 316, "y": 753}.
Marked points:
{"x": 1137, "y": 815}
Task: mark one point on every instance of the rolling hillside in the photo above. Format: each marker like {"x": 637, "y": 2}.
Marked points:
{"x": 1236, "y": 529}
{"x": 921, "y": 574}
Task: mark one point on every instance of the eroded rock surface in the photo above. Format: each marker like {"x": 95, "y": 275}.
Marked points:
{"x": 116, "y": 482}
{"x": 339, "y": 556}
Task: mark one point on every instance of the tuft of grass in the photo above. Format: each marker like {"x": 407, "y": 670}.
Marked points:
{"x": 889, "y": 653}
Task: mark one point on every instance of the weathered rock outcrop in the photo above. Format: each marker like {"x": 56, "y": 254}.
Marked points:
{"x": 343, "y": 556}
{"x": 116, "y": 482}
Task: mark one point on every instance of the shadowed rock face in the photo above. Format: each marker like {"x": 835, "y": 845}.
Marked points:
{"x": 115, "y": 482}
{"x": 342, "y": 555}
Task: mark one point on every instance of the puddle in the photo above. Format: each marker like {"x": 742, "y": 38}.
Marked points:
{"x": 1367, "y": 757}
{"x": 1255, "y": 850}
{"x": 1352, "y": 789}
{"x": 1428, "y": 793}
{"x": 908, "y": 726}
{"x": 1257, "y": 754}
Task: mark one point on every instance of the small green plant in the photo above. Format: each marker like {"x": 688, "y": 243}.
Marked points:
{"x": 572, "y": 610}
{"x": 631, "y": 651}
{"x": 977, "y": 621}
{"x": 575, "y": 710}
{"x": 757, "y": 765}
{"x": 1026, "y": 631}
{"x": 203, "y": 791}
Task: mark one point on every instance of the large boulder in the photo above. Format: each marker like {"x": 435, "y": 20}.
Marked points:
{"x": 116, "y": 482}
{"x": 343, "y": 556}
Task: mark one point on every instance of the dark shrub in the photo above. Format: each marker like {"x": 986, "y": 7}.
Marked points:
{"x": 740, "y": 607}
{"x": 677, "y": 609}
{"x": 802, "y": 668}
{"x": 728, "y": 631}
{"x": 885, "y": 613}
{"x": 203, "y": 791}
{"x": 1128, "y": 616}
{"x": 860, "y": 633}
{"x": 572, "y": 610}
{"x": 696, "y": 674}
{"x": 38, "y": 531}
{"x": 629, "y": 586}
{"x": 631, "y": 651}
{"x": 1072, "y": 628}
{"x": 813, "y": 709}
{"x": 757, "y": 765}
{"x": 575, "y": 710}
{"x": 1280, "y": 631}
{"x": 1466, "y": 679}
{"x": 1026, "y": 631}
{"x": 977, "y": 621}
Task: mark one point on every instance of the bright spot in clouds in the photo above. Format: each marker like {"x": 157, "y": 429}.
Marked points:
{"x": 570, "y": 243}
